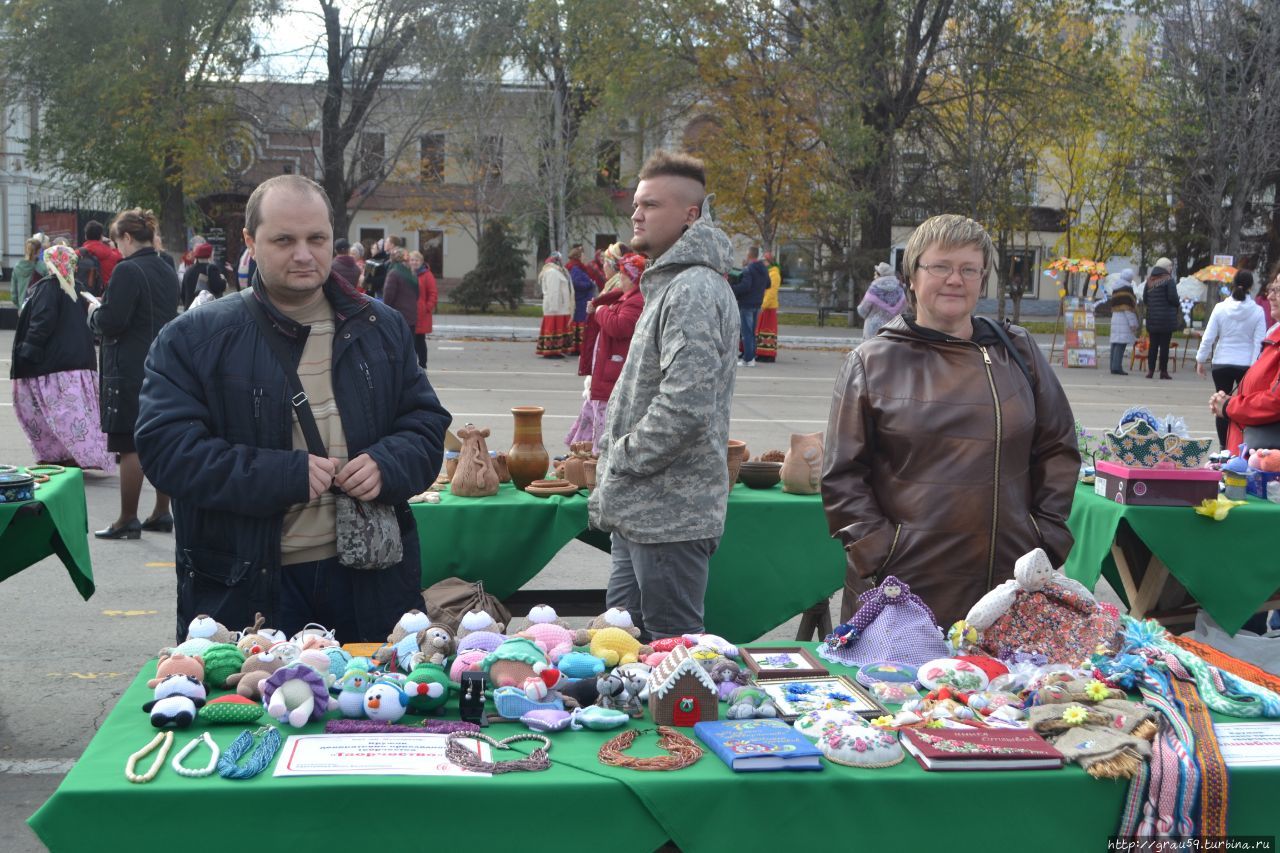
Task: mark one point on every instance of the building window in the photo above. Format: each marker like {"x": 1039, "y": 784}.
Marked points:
{"x": 371, "y": 154}
{"x": 431, "y": 156}
{"x": 431, "y": 245}
{"x": 609, "y": 164}
{"x": 368, "y": 237}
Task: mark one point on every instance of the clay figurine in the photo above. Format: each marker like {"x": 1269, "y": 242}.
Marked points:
{"x": 802, "y": 468}
{"x": 476, "y": 476}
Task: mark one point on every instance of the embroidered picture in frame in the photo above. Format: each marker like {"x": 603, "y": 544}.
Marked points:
{"x": 796, "y": 696}
{"x": 769, "y": 663}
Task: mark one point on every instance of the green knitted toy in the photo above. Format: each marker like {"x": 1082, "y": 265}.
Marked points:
{"x": 221, "y": 661}
{"x": 230, "y": 710}
{"x": 428, "y": 673}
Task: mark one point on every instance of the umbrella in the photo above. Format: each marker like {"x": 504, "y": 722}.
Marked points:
{"x": 1215, "y": 273}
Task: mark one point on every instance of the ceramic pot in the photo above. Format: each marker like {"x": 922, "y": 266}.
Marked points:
{"x": 802, "y": 467}
{"x": 589, "y": 468}
{"x": 500, "y": 465}
{"x": 737, "y": 453}
{"x": 527, "y": 460}
{"x": 575, "y": 472}
{"x": 450, "y": 464}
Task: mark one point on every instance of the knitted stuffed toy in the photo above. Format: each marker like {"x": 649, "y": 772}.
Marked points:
{"x": 256, "y": 638}
{"x": 178, "y": 664}
{"x": 466, "y": 661}
{"x": 230, "y": 710}
{"x": 513, "y": 663}
{"x": 892, "y": 625}
{"x": 436, "y": 682}
{"x": 208, "y": 628}
{"x": 1042, "y": 611}
{"x": 255, "y": 670}
{"x": 175, "y": 701}
{"x": 385, "y": 702}
{"x": 352, "y": 686}
{"x": 297, "y": 695}
{"x": 478, "y": 630}
{"x": 552, "y": 634}
{"x": 221, "y": 661}
{"x": 614, "y": 617}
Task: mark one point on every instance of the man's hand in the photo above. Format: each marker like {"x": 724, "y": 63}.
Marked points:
{"x": 1200, "y": 368}
{"x": 320, "y": 472}
{"x": 360, "y": 478}
{"x": 1218, "y": 404}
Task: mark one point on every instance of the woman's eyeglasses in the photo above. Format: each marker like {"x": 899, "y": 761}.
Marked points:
{"x": 945, "y": 271}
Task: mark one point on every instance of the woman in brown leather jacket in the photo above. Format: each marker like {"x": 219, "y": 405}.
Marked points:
{"x": 951, "y": 446}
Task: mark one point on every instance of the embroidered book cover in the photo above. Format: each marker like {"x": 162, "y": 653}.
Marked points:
{"x": 981, "y": 749}
{"x": 749, "y": 745}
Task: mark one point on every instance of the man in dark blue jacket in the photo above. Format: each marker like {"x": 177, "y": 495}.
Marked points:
{"x": 749, "y": 290}
{"x": 254, "y": 510}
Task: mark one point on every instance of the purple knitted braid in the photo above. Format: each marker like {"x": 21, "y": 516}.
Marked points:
{"x": 375, "y": 727}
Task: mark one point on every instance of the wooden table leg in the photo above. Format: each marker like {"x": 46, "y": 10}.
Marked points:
{"x": 1145, "y": 592}
{"x": 816, "y": 619}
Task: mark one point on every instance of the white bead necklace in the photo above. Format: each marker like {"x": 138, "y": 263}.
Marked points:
{"x": 167, "y": 739}
{"x": 207, "y": 770}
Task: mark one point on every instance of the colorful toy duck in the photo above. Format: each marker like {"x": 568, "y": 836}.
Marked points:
{"x": 353, "y": 685}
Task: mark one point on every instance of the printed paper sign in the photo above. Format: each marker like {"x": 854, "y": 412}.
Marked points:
{"x": 371, "y": 755}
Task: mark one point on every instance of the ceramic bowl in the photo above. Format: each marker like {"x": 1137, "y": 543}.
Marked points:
{"x": 760, "y": 475}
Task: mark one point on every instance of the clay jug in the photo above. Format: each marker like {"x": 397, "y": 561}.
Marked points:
{"x": 527, "y": 460}
{"x": 802, "y": 467}
{"x": 575, "y": 464}
{"x": 589, "y": 468}
{"x": 500, "y": 465}
{"x": 475, "y": 476}
{"x": 737, "y": 453}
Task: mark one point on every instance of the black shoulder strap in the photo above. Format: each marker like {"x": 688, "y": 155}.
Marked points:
{"x": 301, "y": 408}
{"x": 1013, "y": 351}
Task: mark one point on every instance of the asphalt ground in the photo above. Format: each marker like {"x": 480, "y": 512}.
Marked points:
{"x": 64, "y": 661}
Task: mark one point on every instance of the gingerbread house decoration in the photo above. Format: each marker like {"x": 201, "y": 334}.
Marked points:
{"x": 681, "y": 692}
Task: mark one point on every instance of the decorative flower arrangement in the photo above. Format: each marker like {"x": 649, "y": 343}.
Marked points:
{"x": 884, "y": 722}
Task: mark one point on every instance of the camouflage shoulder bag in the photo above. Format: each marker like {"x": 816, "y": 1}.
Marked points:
{"x": 368, "y": 533}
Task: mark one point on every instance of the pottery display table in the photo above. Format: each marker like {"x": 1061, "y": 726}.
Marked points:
{"x": 774, "y": 561}
{"x": 1229, "y": 567}
{"x": 705, "y": 808}
{"x": 55, "y": 523}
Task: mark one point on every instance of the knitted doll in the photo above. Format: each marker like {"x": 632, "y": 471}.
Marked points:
{"x": 552, "y": 634}
{"x": 255, "y": 670}
{"x": 175, "y": 701}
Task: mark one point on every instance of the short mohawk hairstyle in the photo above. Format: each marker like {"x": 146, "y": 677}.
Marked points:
{"x": 674, "y": 163}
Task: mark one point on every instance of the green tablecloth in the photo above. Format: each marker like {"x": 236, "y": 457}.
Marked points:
{"x": 62, "y": 528}
{"x": 581, "y": 804}
{"x": 1229, "y": 566}
{"x": 775, "y": 558}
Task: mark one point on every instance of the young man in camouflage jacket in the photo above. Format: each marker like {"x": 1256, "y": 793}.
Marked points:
{"x": 663, "y": 474}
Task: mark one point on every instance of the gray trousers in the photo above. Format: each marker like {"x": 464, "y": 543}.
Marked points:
{"x": 661, "y": 585}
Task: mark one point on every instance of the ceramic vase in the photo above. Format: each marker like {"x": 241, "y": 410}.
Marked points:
{"x": 737, "y": 453}
{"x": 475, "y": 476}
{"x": 802, "y": 467}
{"x": 527, "y": 460}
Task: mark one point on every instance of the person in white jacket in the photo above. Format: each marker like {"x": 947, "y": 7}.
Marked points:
{"x": 1232, "y": 340}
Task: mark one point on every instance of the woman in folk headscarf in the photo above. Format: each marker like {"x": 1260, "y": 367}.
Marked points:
{"x": 613, "y": 321}
{"x": 609, "y": 262}
{"x": 767, "y": 325}
{"x": 555, "y": 336}
{"x": 55, "y": 386}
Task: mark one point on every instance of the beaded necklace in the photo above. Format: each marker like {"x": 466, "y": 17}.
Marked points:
{"x": 466, "y": 758}
{"x": 207, "y": 770}
{"x": 229, "y": 766}
{"x": 164, "y": 740}
{"x": 683, "y": 752}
